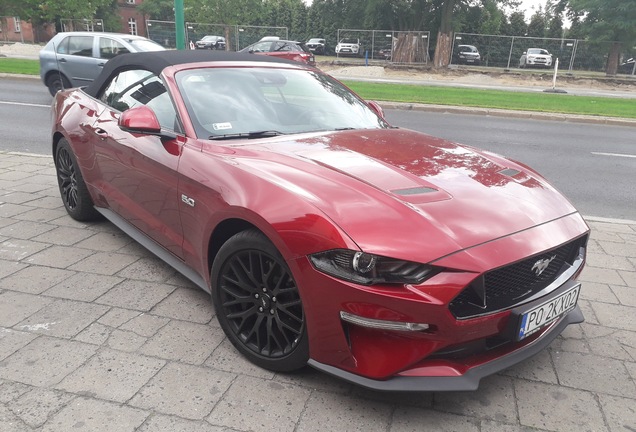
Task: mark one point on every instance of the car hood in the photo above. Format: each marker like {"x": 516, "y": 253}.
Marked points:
{"x": 427, "y": 196}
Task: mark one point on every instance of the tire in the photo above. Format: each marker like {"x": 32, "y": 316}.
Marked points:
{"x": 57, "y": 82}
{"x": 73, "y": 190}
{"x": 258, "y": 304}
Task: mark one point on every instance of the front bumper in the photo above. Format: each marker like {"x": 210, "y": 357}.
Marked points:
{"x": 469, "y": 380}
{"x": 434, "y": 350}
{"x": 539, "y": 62}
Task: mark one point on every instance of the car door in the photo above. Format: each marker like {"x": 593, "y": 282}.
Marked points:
{"x": 77, "y": 59}
{"x": 139, "y": 172}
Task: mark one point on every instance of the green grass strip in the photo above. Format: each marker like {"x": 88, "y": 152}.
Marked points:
{"x": 19, "y": 66}
{"x": 509, "y": 100}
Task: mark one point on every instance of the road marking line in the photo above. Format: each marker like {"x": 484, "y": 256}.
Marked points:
{"x": 25, "y": 104}
{"x": 613, "y": 154}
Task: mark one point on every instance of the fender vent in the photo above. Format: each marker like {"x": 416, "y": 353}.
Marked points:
{"x": 509, "y": 172}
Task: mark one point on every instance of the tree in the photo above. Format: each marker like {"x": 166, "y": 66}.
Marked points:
{"x": 162, "y": 10}
{"x": 537, "y": 25}
{"x": 446, "y": 11}
{"x": 610, "y": 21}
{"x": 517, "y": 26}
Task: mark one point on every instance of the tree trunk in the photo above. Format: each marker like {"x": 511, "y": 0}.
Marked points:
{"x": 444, "y": 41}
{"x": 442, "y": 50}
{"x": 612, "y": 59}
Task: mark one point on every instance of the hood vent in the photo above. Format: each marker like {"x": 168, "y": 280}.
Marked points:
{"x": 414, "y": 191}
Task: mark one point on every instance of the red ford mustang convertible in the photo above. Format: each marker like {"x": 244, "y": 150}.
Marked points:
{"x": 324, "y": 235}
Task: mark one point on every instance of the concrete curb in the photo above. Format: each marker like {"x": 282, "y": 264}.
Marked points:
{"x": 452, "y": 109}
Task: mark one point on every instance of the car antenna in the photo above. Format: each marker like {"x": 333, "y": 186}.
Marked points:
{"x": 57, "y": 63}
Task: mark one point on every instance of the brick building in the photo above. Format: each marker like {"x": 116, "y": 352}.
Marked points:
{"x": 13, "y": 29}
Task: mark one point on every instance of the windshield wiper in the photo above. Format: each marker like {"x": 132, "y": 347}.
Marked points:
{"x": 248, "y": 135}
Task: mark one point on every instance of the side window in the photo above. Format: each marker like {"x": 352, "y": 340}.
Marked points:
{"x": 80, "y": 46}
{"x": 133, "y": 88}
{"x": 262, "y": 47}
{"x": 109, "y": 48}
{"x": 62, "y": 47}
{"x": 283, "y": 46}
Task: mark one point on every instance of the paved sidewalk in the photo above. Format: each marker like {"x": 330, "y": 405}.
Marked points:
{"x": 98, "y": 335}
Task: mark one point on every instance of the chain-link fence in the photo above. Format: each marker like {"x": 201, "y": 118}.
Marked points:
{"x": 196, "y": 31}
{"x": 510, "y": 52}
{"x": 383, "y": 46}
{"x": 507, "y": 51}
{"x": 90, "y": 25}
{"x": 592, "y": 56}
{"x": 247, "y": 35}
{"x": 162, "y": 32}
{"x": 236, "y": 37}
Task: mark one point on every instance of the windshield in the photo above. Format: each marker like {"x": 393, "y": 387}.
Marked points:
{"x": 349, "y": 41}
{"x": 538, "y": 51}
{"x": 316, "y": 41}
{"x": 224, "y": 102}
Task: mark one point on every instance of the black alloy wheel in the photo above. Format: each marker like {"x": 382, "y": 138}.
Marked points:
{"x": 73, "y": 191}
{"x": 258, "y": 303}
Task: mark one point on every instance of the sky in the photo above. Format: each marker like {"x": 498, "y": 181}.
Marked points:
{"x": 530, "y": 6}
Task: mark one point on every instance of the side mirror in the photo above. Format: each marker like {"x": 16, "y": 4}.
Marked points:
{"x": 524, "y": 53}
{"x": 142, "y": 120}
{"x": 376, "y": 108}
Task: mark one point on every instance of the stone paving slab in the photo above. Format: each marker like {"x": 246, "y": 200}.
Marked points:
{"x": 96, "y": 335}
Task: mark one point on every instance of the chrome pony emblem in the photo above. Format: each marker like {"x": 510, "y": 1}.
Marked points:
{"x": 540, "y": 266}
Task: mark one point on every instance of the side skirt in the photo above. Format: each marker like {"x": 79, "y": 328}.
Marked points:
{"x": 153, "y": 247}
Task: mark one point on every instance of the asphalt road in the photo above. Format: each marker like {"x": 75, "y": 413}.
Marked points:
{"x": 593, "y": 165}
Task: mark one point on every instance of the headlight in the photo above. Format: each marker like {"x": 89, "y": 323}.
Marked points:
{"x": 369, "y": 269}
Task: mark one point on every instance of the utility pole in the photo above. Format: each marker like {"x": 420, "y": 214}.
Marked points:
{"x": 179, "y": 24}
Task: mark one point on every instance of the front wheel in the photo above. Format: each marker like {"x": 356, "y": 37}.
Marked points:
{"x": 73, "y": 190}
{"x": 258, "y": 303}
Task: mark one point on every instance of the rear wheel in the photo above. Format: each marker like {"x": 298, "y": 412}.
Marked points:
{"x": 57, "y": 82}
{"x": 258, "y": 304}
{"x": 73, "y": 190}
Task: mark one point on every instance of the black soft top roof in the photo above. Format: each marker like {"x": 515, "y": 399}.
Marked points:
{"x": 157, "y": 61}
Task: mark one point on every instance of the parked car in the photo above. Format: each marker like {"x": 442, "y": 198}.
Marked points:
{"x": 317, "y": 45}
{"x": 467, "y": 54}
{"x": 74, "y": 59}
{"x": 535, "y": 57}
{"x": 627, "y": 67}
{"x": 384, "y": 54}
{"x": 349, "y": 46}
{"x": 211, "y": 42}
{"x": 290, "y": 50}
{"x": 324, "y": 235}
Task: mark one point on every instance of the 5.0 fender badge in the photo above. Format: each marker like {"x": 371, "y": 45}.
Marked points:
{"x": 186, "y": 199}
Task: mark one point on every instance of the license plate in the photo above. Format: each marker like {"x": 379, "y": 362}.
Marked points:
{"x": 542, "y": 315}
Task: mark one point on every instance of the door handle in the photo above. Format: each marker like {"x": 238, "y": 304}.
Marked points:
{"x": 62, "y": 60}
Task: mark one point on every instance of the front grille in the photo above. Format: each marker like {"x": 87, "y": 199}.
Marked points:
{"x": 508, "y": 286}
